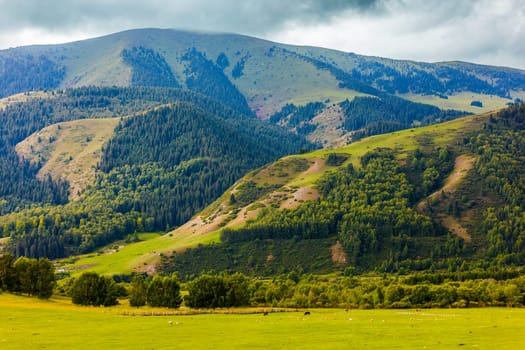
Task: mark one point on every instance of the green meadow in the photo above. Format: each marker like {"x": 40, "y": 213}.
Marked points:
{"x": 122, "y": 258}
{"x": 56, "y": 324}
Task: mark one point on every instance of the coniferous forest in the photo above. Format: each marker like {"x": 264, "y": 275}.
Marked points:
{"x": 159, "y": 169}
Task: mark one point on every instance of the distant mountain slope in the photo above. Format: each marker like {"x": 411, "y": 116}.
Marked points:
{"x": 255, "y": 75}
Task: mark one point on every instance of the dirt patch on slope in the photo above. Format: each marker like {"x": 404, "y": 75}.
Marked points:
{"x": 462, "y": 165}
{"x": 455, "y": 227}
{"x": 339, "y": 256}
{"x": 299, "y": 196}
{"x": 316, "y": 167}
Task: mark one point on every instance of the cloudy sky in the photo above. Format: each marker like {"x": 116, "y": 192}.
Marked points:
{"x": 481, "y": 31}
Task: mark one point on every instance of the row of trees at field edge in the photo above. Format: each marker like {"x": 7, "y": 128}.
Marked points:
{"x": 467, "y": 289}
{"x": 35, "y": 277}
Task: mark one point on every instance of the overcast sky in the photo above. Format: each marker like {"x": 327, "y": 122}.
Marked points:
{"x": 480, "y": 31}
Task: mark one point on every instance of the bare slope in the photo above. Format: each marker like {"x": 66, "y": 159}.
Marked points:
{"x": 69, "y": 150}
{"x": 463, "y": 164}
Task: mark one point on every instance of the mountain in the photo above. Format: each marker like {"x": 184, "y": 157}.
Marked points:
{"x": 445, "y": 197}
{"x": 107, "y": 139}
{"x": 264, "y": 78}
{"x": 141, "y": 159}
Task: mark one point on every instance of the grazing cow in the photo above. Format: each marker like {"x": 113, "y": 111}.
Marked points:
{"x": 170, "y": 322}
{"x": 265, "y": 313}
{"x": 307, "y": 313}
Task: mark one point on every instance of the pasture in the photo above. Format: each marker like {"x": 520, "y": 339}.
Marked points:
{"x": 56, "y": 324}
{"x": 140, "y": 256}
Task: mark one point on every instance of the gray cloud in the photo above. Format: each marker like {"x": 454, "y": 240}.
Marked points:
{"x": 252, "y": 16}
{"x": 483, "y": 31}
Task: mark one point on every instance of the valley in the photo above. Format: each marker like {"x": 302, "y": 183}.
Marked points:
{"x": 188, "y": 175}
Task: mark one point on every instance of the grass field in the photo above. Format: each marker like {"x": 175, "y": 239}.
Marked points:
{"x": 461, "y": 101}
{"x": 56, "y": 324}
{"x": 139, "y": 256}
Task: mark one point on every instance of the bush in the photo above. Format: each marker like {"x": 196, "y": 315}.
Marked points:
{"x": 164, "y": 292}
{"x": 209, "y": 291}
{"x": 92, "y": 289}
{"x": 476, "y": 104}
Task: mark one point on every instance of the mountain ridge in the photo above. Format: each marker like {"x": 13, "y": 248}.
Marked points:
{"x": 260, "y": 77}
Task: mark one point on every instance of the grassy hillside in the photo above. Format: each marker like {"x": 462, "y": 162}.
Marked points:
{"x": 70, "y": 151}
{"x": 266, "y": 75}
{"x": 462, "y": 101}
{"x": 438, "y": 170}
{"x": 286, "y": 183}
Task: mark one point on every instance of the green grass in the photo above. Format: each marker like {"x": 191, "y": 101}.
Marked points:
{"x": 403, "y": 141}
{"x": 32, "y": 324}
{"x": 135, "y": 256}
{"x": 461, "y": 101}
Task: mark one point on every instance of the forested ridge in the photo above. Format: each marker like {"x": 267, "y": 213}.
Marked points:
{"x": 26, "y": 73}
{"x": 18, "y": 185}
{"x": 372, "y": 211}
{"x": 161, "y": 167}
{"x": 148, "y": 68}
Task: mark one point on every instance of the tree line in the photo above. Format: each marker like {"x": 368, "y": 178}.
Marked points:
{"x": 479, "y": 287}
{"x": 34, "y": 277}
{"x": 294, "y": 290}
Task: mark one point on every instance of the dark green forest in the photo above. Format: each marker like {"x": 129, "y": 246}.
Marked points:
{"x": 207, "y": 78}
{"x": 148, "y": 68}
{"x": 160, "y": 168}
{"x": 441, "y": 80}
{"x": 298, "y": 118}
{"x": 378, "y": 115}
{"x": 18, "y": 185}
{"x": 27, "y": 73}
